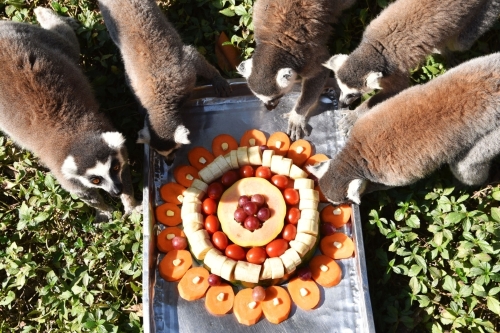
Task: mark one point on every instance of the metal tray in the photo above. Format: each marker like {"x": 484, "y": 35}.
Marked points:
{"x": 343, "y": 308}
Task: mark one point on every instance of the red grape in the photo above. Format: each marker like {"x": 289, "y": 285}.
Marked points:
{"x": 264, "y": 214}
{"x": 243, "y": 200}
{"x": 229, "y": 178}
{"x": 213, "y": 280}
{"x": 179, "y": 243}
{"x": 240, "y": 215}
{"x": 326, "y": 229}
{"x": 258, "y": 199}
{"x": 250, "y": 208}
{"x": 263, "y": 147}
{"x": 215, "y": 190}
{"x": 304, "y": 273}
{"x": 251, "y": 223}
{"x": 258, "y": 294}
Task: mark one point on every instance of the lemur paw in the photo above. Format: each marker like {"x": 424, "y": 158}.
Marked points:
{"x": 103, "y": 215}
{"x": 348, "y": 119}
{"x": 137, "y": 207}
{"x": 221, "y": 86}
{"x": 297, "y": 125}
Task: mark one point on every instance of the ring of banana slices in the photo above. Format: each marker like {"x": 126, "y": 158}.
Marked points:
{"x": 300, "y": 248}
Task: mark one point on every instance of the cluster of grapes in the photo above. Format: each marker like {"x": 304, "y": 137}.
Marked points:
{"x": 252, "y": 211}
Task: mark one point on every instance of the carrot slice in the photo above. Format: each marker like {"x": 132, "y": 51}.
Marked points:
{"x": 322, "y": 197}
{"x": 277, "y": 304}
{"x": 259, "y": 138}
{"x": 168, "y": 214}
{"x": 175, "y": 264}
{"x": 200, "y": 157}
{"x": 223, "y": 144}
{"x": 219, "y": 299}
{"x": 315, "y": 159}
{"x": 337, "y": 246}
{"x": 194, "y": 284}
{"x": 336, "y": 215}
{"x": 279, "y": 142}
{"x": 163, "y": 242}
{"x": 325, "y": 271}
{"x": 299, "y": 152}
{"x": 244, "y": 313}
{"x": 304, "y": 293}
{"x": 185, "y": 175}
{"x": 170, "y": 192}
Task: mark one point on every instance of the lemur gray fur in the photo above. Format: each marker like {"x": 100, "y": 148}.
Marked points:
{"x": 453, "y": 119}
{"x": 47, "y": 107}
{"x": 161, "y": 70}
{"x": 291, "y": 38}
{"x": 399, "y": 39}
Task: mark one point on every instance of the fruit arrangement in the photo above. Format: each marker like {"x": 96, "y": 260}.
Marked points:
{"x": 249, "y": 215}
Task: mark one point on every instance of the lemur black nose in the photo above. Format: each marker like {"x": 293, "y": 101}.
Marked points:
{"x": 271, "y": 106}
{"x": 117, "y": 191}
{"x": 169, "y": 159}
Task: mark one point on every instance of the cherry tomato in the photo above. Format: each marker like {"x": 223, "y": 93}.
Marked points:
{"x": 235, "y": 252}
{"x": 229, "y": 178}
{"x": 256, "y": 255}
{"x": 293, "y": 215}
{"x": 280, "y": 181}
{"x": 276, "y": 248}
{"x": 289, "y": 232}
{"x": 263, "y": 172}
{"x": 212, "y": 224}
{"x": 291, "y": 196}
{"x": 246, "y": 171}
{"x": 219, "y": 239}
{"x": 215, "y": 190}
{"x": 209, "y": 206}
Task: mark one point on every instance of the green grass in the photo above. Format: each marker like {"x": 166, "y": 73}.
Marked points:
{"x": 432, "y": 248}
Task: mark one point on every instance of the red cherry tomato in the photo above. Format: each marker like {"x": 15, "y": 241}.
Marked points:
{"x": 229, "y": 178}
{"x": 293, "y": 215}
{"x": 235, "y": 252}
{"x": 289, "y": 232}
{"x": 215, "y": 190}
{"x": 209, "y": 206}
{"x": 280, "y": 181}
{"x": 212, "y": 224}
{"x": 291, "y": 196}
{"x": 263, "y": 172}
{"x": 246, "y": 171}
{"x": 276, "y": 248}
{"x": 256, "y": 255}
{"x": 219, "y": 239}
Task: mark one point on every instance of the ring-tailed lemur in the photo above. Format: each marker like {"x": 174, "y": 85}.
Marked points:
{"x": 399, "y": 39}
{"x": 453, "y": 119}
{"x": 47, "y": 107}
{"x": 291, "y": 38}
{"x": 161, "y": 70}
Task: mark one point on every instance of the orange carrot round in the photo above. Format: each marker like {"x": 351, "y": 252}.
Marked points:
{"x": 259, "y": 138}
{"x": 194, "y": 284}
{"x": 223, "y": 144}
{"x": 200, "y": 157}
{"x": 175, "y": 264}
{"x": 322, "y": 197}
{"x": 336, "y": 215}
{"x": 219, "y": 299}
{"x": 299, "y": 152}
{"x": 245, "y": 314}
{"x": 185, "y": 175}
{"x": 304, "y": 293}
{"x": 277, "y": 304}
{"x": 325, "y": 271}
{"x": 337, "y": 246}
{"x": 168, "y": 214}
{"x": 279, "y": 142}
{"x": 315, "y": 159}
{"x": 164, "y": 238}
{"x": 170, "y": 192}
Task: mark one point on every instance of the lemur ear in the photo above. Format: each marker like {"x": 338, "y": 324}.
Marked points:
{"x": 336, "y": 61}
{"x": 245, "y": 68}
{"x": 181, "y": 135}
{"x": 285, "y": 77}
{"x": 143, "y": 136}
{"x": 69, "y": 168}
{"x": 319, "y": 169}
{"x": 113, "y": 139}
{"x": 356, "y": 189}
{"x": 373, "y": 80}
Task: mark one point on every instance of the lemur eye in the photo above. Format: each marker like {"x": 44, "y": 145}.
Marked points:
{"x": 95, "y": 180}
{"x": 116, "y": 167}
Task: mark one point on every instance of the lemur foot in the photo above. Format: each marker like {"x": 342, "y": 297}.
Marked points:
{"x": 297, "y": 125}
{"x": 221, "y": 86}
{"x": 103, "y": 215}
{"x": 137, "y": 207}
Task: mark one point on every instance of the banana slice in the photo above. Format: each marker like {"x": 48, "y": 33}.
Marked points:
{"x": 190, "y": 198}
{"x": 197, "y": 236}
{"x": 227, "y": 157}
{"x": 206, "y": 175}
{"x": 303, "y": 183}
{"x": 216, "y": 263}
{"x": 308, "y": 194}
{"x": 192, "y": 193}
{"x": 300, "y": 247}
{"x": 296, "y": 172}
{"x": 311, "y": 214}
{"x": 190, "y": 207}
{"x": 294, "y": 256}
{"x": 200, "y": 249}
{"x": 222, "y": 164}
{"x": 191, "y": 227}
{"x": 307, "y": 226}
{"x": 307, "y": 239}
{"x": 266, "y": 272}
{"x": 277, "y": 269}
{"x": 286, "y": 164}
{"x": 308, "y": 204}
{"x": 211, "y": 257}
{"x": 214, "y": 168}
{"x": 200, "y": 185}
{"x": 234, "y": 159}
{"x": 266, "y": 157}
{"x": 227, "y": 269}
{"x": 242, "y": 153}
{"x": 276, "y": 163}
{"x": 288, "y": 262}
{"x": 247, "y": 272}
{"x": 254, "y": 155}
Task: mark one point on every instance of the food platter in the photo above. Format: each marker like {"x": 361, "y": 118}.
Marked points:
{"x": 343, "y": 308}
